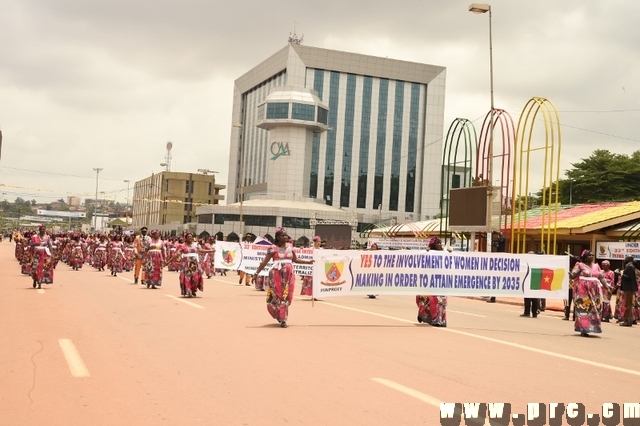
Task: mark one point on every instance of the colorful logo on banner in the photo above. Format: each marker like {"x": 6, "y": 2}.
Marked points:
{"x": 228, "y": 257}
{"x": 333, "y": 272}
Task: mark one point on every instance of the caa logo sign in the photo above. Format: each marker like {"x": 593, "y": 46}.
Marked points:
{"x": 279, "y": 149}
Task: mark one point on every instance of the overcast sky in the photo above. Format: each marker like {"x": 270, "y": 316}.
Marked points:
{"x": 86, "y": 84}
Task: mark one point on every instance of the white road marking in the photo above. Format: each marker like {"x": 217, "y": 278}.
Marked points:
{"x": 504, "y": 342}
{"x": 466, "y": 313}
{"x": 126, "y": 279}
{"x": 409, "y": 391}
{"x": 40, "y": 291}
{"x": 369, "y": 312}
{"x": 76, "y": 365}
{"x": 186, "y": 302}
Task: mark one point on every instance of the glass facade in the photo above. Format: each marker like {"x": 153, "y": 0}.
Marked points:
{"x": 220, "y": 219}
{"x": 259, "y": 220}
{"x": 318, "y": 86}
{"x": 381, "y": 141}
{"x": 277, "y": 110}
{"x": 414, "y": 120}
{"x": 365, "y": 138}
{"x": 396, "y": 148}
{"x": 323, "y": 115}
{"x": 347, "y": 146}
{"x": 330, "y": 157}
{"x": 295, "y": 222}
{"x": 303, "y": 112}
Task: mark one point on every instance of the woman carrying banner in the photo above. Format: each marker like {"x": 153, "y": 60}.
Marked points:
{"x": 433, "y": 309}
{"x": 282, "y": 278}
{"x": 587, "y": 294}
{"x": 307, "y": 280}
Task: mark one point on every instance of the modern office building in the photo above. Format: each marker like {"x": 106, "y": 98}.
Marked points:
{"x": 167, "y": 200}
{"x": 360, "y": 133}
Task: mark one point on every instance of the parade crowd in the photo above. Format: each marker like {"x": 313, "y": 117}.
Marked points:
{"x": 592, "y": 286}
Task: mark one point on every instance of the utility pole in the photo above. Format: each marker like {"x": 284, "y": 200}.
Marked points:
{"x": 95, "y": 201}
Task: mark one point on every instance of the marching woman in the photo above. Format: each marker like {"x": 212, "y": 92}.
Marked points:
{"x": 42, "y": 266}
{"x": 129, "y": 253}
{"x": 281, "y": 281}
{"x": 191, "y": 279}
{"x": 307, "y": 280}
{"x": 117, "y": 255}
{"x": 433, "y": 309}
{"x": 100, "y": 254}
{"x": 154, "y": 260}
{"x": 609, "y": 277}
{"x": 587, "y": 294}
{"x": 76, "y": 256}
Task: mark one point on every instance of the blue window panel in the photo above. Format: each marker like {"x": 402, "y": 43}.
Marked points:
{"x": 330, "y": 157}
{"x": 414, "y": 118}
{"x": 381, "y": 140}
{"x": 347, "y": 147}
{"x": 303, "y": 112}
{"x": 365, "y": 135}
{"x": 318, "y": 86}
{"x": 396, "y": 148}
{"x": 277, "y": 110}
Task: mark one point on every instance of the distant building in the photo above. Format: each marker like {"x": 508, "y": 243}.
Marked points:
{"x": 171, "y": 198}
{"x": 357, "y": 132}
{"x": 73, "y": 201}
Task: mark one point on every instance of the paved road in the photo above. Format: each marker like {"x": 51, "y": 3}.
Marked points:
{"x": 93, "y": 349}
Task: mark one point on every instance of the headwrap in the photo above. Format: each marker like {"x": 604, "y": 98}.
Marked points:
{"x": 606, "y": 262}
{"x": 433, "y": 241}
{"x": 187, "y": 234}
{"x": 585, "y": 253}
{"x": 316, "y": 238}
{"x": 155, "y": 231}
{"x": 280, "y": 230}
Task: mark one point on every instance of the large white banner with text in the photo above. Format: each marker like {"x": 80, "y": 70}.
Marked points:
{"x": 412, "y": 272}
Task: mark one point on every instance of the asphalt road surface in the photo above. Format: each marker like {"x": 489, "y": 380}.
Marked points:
{"x": 93, "y": 349}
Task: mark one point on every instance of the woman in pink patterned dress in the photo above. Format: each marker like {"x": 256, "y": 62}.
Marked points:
{"x": 191, "y": 279}
{"x": 282, "y": 278}
{"x": 587, "y": 294}
{"x": 154, "y": 260}
{"x": 117, "y": 255}
{"x": 129, "y": 253}
{"x": 609, "y": 276}
{"x": 307, "y": 280}
{"x": 433, "y": 309}
{"x": 100, "y": 254}
{"x": 76, "y": 257}
{"x": 42, "y": 266}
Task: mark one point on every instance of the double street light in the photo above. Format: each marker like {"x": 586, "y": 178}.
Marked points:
{"x": 479, "y": 8}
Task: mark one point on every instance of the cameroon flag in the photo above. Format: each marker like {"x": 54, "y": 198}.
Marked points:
{"x": 547, "y": 279}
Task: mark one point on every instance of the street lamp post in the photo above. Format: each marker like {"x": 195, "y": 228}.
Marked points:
{"x": 95, "y": 204}
{"x": 127, "y": 212}
{"x": 571, "y": 193}
{"x": 241, "y": 185}
{"x": 479, "y": 8}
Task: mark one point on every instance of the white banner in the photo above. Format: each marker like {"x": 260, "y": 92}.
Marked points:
{"x": 61, "y": 213}
{"x": 351, "y": 272}
{"x": 617, "y": 250}
{"x": 410, "y": 243}
{"x": 247, "y": 257}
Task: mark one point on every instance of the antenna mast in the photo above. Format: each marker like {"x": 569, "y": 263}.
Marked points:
{"x": 167, "y": 158}
{"x": 293, "y": 37}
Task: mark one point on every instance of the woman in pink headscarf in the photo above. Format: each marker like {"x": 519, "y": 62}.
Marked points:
{"x": 587, "y": 294}
{"x": 42, "y": 265}
{"x": 433, "y": 309}
{"x": 282, "y": 278}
